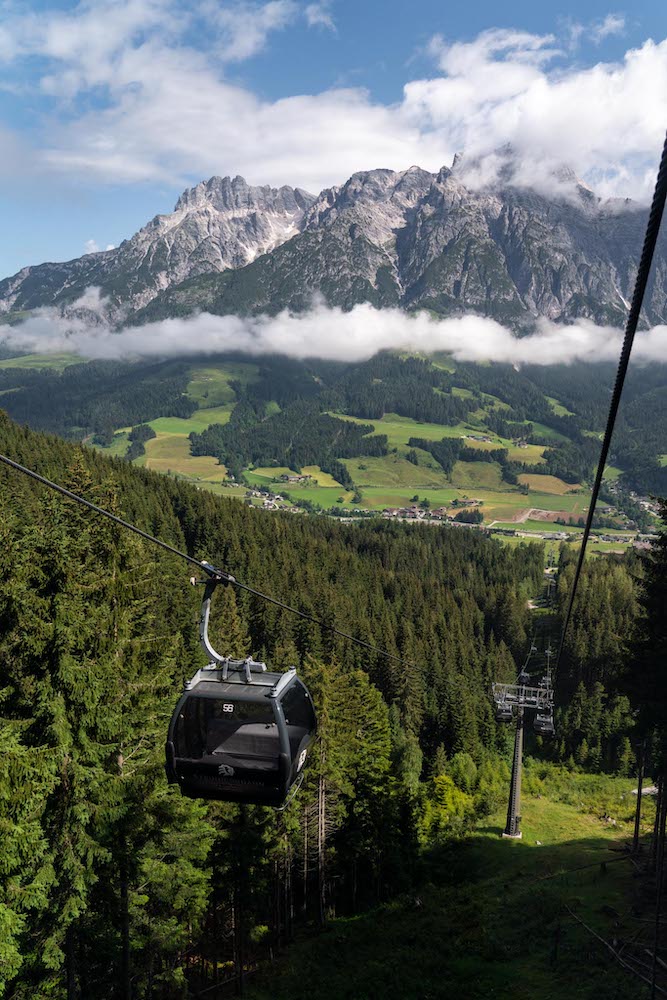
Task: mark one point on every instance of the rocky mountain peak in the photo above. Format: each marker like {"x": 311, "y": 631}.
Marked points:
{"x": 449, "y": 242}
{"x": 376, "y": 200}
{"x": 227, "y": 194}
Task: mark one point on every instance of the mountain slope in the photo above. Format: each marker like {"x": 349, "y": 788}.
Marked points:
{"x": 392, "y": 238}
{"x": 418, "y": 240}
{"x": 219, "y": 224}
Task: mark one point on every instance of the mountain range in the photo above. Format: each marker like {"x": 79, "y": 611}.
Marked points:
{"x": 409, "y": 238}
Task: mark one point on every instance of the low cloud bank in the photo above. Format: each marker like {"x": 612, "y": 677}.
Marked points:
{"x": 326, "y": 333}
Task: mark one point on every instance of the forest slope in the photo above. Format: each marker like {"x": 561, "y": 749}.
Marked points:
{"x": 491, "y": 917}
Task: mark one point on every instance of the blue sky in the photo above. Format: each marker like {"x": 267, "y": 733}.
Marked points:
{"x": 108, "y": 110}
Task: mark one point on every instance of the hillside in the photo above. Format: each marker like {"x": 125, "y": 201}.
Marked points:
{"x": 525, "y": 443}
{"x": 86, "y": 699}
{"x": 492, "y": 918}
{"x": 112, "y": 877}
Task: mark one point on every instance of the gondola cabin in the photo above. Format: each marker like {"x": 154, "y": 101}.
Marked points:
{"x": 544, "y": 724}
{"x": 504, "y": 713}
{"x": 240, "y": 733}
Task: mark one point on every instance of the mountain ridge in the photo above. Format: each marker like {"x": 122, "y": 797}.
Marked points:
{"x": 406, "y": 238}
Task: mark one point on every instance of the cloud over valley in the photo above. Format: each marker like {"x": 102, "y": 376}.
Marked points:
{"x": 324, "y": 333}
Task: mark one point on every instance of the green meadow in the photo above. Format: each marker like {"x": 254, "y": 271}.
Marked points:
{"x": 492, "y": 917}
{"x": 558, "y": 408}
{"x": 210, "y": 385}
{"x": 55, "y": 361}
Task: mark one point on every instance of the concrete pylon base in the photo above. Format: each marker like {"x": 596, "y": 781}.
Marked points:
{"x": 512, "y": 836}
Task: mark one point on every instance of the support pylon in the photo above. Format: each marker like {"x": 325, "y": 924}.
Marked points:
{"x": 513, "y": 826}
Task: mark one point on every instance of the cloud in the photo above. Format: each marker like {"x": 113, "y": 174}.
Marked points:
{"x": 246, "y": 27}
{"x": 595, "y": 31}
{"x": 326, "y": 333}
{"x": 318, "y": 15}
{"x": 140, "y": 93}
{"x": 90, "y": 246}
{"x": 612, "y": 24}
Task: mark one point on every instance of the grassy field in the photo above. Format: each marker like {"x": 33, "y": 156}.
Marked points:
{"x": 209, "y": 384}
{"x": 198, "y": 422}
{"x": 477, "y": 476}
{"x": 662, "y": 460}
{"x": 321, "y": 478}
{"x": 55, "y": 361}
{"x": 325, "y": 496}
{"x": 400, "y": 429}
{"x": 612, "y": 472}
{"x": 530, "y": 525}
{"x": 493, "y": 918}
{"x": 548, "y": 432}
{"x": 171, "y": 453}
{"x": 393, "y": 470}
{"x": 271, "y": 474}
{"x": 121, "y": 442}
{"x": 387, "y": 481}
{"x": 547, "y": 484}
{"x": 558, "y": 408}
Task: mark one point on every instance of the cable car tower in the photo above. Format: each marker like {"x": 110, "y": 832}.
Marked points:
{"x": 512, "y": 702}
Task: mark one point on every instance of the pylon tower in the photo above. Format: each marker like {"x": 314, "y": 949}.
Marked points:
{"x": 513, "y": 825}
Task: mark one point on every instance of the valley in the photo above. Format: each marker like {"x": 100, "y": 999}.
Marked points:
{"x": 500, "y": 462}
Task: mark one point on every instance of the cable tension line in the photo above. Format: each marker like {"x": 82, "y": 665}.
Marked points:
{"x": 650, "y": 239}
{"x": 213, "y": 571}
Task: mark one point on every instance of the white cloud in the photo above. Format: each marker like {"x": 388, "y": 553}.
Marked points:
{"x": 136, "y": 100}
{"x": 246, "y": 27}
{"x": 595, "y": 31}
{"x": 91, "y": 246}
{"x": 328, "y": 334}
{"x": 612, "y": 24}
{"x": 318, "y": 15}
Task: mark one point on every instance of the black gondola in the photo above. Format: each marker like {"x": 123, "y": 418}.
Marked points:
{"x": 239, "y": 733}
{"x": 504, "y": 713}
{"x": 544, "y": 724}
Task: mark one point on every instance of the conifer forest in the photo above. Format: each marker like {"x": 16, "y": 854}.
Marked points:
{"x": 113, "y": 885}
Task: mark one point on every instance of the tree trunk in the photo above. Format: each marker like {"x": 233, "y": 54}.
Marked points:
{"x": 656, "y": 825}
{"x": 71, "y": 965}
{"x": 321, "y": 843}
{"x": 239, "y": 957}
{"x": 125, "y": 977}
{"x": 305, "y": 862}
{"x": 638, "y": 812}
{"x": 289, "y": 900}
{"x": 660, "y": 864}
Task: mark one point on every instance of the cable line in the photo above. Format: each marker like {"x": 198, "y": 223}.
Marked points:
{"x": 213, "y": 571}
{"x": 650, "y": 239}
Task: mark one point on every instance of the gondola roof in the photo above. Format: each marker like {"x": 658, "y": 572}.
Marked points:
{"x": 259, "y": 689}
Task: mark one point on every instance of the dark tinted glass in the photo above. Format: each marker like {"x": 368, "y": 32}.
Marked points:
{"x": 207, "y": 726}
{"x": 297, "y": 707}
{"x": 299, "y": 715}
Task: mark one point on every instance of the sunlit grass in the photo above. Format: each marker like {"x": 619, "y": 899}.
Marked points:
{"x": 55, "y": 361}
{"x": 547, "y": 484}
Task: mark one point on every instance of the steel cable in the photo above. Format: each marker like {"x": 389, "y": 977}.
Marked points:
{"x": 650, "y": 239}
{"x": 203, "y": 565}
